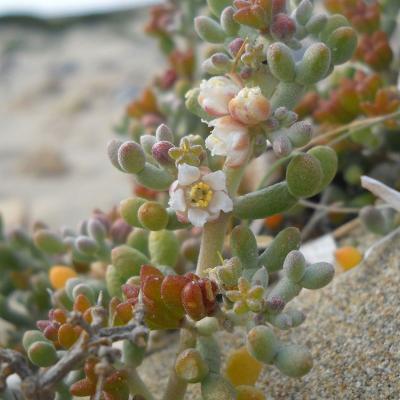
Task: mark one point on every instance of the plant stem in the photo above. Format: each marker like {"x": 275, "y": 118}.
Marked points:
{"x": 349, "y": 128}
{"x": 176, "y": 387}
{"x": 137, "y": 386}
{"x": 213, "y": 237}
{"x": 212, "y": 241}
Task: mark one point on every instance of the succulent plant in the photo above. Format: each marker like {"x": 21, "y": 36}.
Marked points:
{"x": 161, "y": 261}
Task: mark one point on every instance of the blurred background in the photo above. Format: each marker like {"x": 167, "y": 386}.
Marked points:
{"x": 67, "y": 70}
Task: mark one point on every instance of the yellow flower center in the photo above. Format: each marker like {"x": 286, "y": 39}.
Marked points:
{"x": 200, "y": 195}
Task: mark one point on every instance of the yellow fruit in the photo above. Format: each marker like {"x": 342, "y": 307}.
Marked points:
{"x": 348, "y": 257}
{"x": 245, "y": 392}
{"x": 242, "y": 368}
{"x": 59, "y": 274}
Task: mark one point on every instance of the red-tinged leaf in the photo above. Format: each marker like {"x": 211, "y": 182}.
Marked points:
{"x": 192, "y": 300}
{"x": 148, "y": 270}
{"x": 67, "y": 335}
{"x": 81, "y": 303}
{"x": 171, "y": 289}
{"x": 59, "y": 315}
{"x": 125, "y": 312}
{"x": 82, "y": 388}
{"x": 191, "y": 276}
{"x": 151, "y": 288}
{"x": 209, "y": 290}
{"x": 130, "y": 291}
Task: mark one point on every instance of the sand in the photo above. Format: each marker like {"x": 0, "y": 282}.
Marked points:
{"x": 352, "y": 329}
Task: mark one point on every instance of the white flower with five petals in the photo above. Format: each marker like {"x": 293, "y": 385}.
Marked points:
{"x": 198, "y": 196}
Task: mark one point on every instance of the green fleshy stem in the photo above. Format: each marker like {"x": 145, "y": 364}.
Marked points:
{"x": 264, "y": 202}
{"x": 154, "y": 178}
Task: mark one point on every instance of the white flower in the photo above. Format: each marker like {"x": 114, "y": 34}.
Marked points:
{"x": 215, "y": 95}
{"x": 198, "y": 196}
{"x": 250, "y": 106}
{"x": 229, "y": 138}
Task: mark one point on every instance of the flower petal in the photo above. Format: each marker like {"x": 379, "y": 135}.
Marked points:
{"x": 197, "y": 216}
{"x": 187, "y": 174}
{"x": 177, "y": 200}
{"x": 220, "y": 201}
{"x": 216, "y": 180}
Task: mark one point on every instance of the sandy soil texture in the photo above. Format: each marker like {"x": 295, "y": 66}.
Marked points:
{"x": 61, "y": 92}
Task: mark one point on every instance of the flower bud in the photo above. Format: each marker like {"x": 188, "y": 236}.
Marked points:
{"x": 42, "y": 354}
{"x": 49, "y": 242}
{"x": 304, "y": 175}
{"x": 317, "y": 275}
{"x": 193, "y": 105}
{"x": 294, "y": 266}
{"x": 163, "y": 133}
{"x": 112, "y": 151}
{"x": 303, "y": 12}
{"x": 294, "y": 360}
{"x": 254, "y": 16}
{"x": 342, "y": 43}
{"x": 249, "y": 106}
{"x": 314, "y": 65}
{"x": 190, "y": 366}
{"x": 230, "y": 272}
{"x": 209, "y": 30}
{"x": 262, "y": 344}
{"x": 160, "y": 153}
{"x": 282, "y": 145}
{"x": 129, "y": 210}
{"x": 300, "y": 133}
{"x": 281, "y": 62}
{"x": 131, "y": 157}
{"x": 228, "y": 23}
{"x": 328, "y": 160}
{"x": 283, "y": 27}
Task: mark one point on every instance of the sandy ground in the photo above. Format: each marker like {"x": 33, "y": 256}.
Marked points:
{"x": 61, "y": 92}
